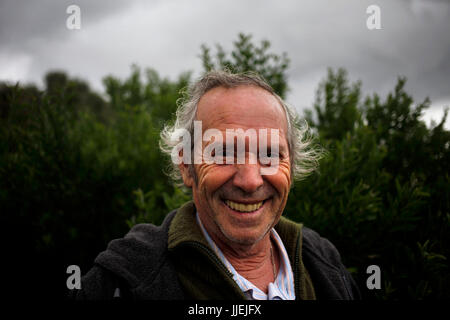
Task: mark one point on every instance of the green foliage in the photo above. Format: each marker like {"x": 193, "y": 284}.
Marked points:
{"x": 156, "y": 95}
{"x": 67, "y": 174}
{"x": 336, "y": 106}
{"x": 76, "y": 171}
{"x": 381, "y": 195}
{"x": 246, "y": 56}
{"x": 148, "y": 208}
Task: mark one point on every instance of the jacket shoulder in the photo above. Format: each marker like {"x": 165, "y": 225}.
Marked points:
{"x": 321, "y": 248}
{"x": 330, "y": 277}
{"x": 136, "y": 264}
{"x": 138, "y": 255}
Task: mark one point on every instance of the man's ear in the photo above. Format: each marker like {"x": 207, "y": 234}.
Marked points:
{"x": 188, "y": 179}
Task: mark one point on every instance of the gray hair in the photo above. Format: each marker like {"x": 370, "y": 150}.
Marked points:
{"x": 303, "y": 152}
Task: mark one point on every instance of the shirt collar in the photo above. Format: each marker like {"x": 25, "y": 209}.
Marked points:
{"x": 283, "y": 286}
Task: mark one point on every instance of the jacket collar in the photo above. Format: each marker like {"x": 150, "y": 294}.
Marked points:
{"x": 184, "y": 228}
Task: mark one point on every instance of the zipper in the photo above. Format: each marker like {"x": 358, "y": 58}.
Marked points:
{"x": 212, "y": 256}
{"x": 296, "y": 272}
{"x": 344, "y": 278}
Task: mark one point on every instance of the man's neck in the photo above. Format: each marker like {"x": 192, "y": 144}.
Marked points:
{"x": 258, "y": 263}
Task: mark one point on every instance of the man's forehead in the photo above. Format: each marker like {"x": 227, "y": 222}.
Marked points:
{"x": 241, "y": 107}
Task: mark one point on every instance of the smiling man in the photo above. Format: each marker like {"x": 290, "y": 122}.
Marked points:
{"x": 231, "y": 241}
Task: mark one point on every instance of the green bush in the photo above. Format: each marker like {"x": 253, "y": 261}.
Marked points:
{"x": 77, "y": 170}
{"x": 381, "y": 195}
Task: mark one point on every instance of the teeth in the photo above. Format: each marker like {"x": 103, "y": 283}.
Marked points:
{"x": 243, "y": 207}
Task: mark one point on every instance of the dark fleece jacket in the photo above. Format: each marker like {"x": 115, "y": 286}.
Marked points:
{"x": 173, "y": 261}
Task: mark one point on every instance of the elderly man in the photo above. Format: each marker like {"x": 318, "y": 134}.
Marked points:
{"x": 231, "y": 241}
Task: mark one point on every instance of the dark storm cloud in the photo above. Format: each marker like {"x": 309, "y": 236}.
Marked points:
{"x": 22, "y": 22}
{"x": 414, "y": 40}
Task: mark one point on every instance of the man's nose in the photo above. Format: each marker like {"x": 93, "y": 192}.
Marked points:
{"x": 248, "y": 177}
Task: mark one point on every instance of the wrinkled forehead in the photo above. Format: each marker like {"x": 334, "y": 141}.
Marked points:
{"x": 241, "y": 107}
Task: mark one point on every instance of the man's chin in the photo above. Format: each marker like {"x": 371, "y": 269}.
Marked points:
{"x": 244, "y": 237}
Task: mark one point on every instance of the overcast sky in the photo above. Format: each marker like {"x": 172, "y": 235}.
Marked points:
{"x": 166, "y": 35}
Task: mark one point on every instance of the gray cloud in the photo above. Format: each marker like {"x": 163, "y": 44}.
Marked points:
{"x": 166, "y": 35}
{"x": 24, "y": 22}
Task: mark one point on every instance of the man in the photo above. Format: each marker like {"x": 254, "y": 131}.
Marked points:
{"x": 231, "y": 241}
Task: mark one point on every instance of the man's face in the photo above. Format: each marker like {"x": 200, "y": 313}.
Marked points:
{"x": 235, "y": 202}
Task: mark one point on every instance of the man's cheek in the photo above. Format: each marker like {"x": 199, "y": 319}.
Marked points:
{"x": 212, "y": 177}
{"x": 203, "y": 172}
{"x": 282, "y": 179}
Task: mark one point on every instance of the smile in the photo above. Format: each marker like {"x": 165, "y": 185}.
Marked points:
{"x": 242, "y": 207}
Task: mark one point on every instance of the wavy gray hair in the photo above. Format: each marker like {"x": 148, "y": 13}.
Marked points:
{"x": 304, "y": 153}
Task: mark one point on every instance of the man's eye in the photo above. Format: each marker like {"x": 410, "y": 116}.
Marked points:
{"x": 268, "y": 154}
{"x": 221, "y": 155}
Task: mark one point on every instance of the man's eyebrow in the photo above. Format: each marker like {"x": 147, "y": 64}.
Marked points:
{"x": 282, "y": 147}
